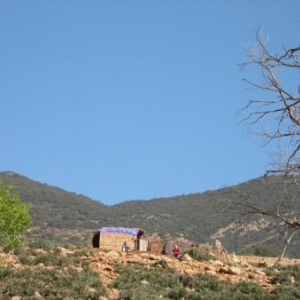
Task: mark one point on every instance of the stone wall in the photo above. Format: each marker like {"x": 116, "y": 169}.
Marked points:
{"x": 114, "y": 241}
{"x": 215, "y": 250}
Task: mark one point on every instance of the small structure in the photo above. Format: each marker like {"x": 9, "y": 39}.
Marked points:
{"x": 216, "y": 250}
{"x": 155, "y": 247}
{"x": 112, "y": 238}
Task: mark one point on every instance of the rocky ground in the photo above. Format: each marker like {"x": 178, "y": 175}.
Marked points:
{"x": 238, "y": 268}
{"x": 234, "y": 269}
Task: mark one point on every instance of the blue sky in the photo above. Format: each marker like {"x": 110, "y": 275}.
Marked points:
{"x": 125, "y": 100}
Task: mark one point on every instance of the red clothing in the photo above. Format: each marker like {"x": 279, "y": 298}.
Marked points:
{"x": 176, "y": 251}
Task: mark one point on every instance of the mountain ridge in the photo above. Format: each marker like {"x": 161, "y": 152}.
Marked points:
{"x": 199, "y": 217}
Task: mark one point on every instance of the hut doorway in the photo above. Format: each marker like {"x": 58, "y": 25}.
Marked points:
{"x": 96, "y": 239}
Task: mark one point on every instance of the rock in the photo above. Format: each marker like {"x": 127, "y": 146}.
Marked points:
{"x": 188, "y": 271}
{"x": 211, "y": 273}
{"x": 234, "y": 271}
{"x": 208, "y": 268}
{"x": 113, "y": 254}
{"x": 153, "y": 257}
{"x": 291, "y": 280}
{"x": 246, "y": 265}
{"x": 186, "y": 257}
{"x": 253, "y": 276}
{"x": 217, "y": 263}
{"x": 262, "y": 264}
{"x": 108, "y": 268}
{"x": 234, "y": 258}
{"x": 259, "y": 272}
{"x": 223, "y": 270}
{"x": 37, "y": 295}
{"x": 144, "y": 255}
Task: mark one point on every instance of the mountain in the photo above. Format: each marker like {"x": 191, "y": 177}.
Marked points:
{"x": 200, "y": 217}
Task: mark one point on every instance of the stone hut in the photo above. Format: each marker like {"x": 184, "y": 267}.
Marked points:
{"x": 112, "y": 238}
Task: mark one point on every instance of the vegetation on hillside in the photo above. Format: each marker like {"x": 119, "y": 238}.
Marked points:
{"x": 14, "y": 218}
{"x": 46, "y": 270}
{"x": 48, "y": 273}
{"x": 201, "y": 218}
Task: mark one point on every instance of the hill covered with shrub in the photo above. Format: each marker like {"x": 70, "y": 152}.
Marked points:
{"x": 200, "y": 217}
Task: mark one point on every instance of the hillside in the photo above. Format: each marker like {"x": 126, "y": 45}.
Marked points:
{"x": 201, "y": 218}
{"x": 85, "y": 273}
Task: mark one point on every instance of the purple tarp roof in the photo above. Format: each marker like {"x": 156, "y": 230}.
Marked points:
{"x": 132, "y": 231}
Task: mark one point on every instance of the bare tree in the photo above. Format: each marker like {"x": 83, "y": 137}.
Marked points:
{"x": 275, "y": 116}
{"x": 288, "y": 220}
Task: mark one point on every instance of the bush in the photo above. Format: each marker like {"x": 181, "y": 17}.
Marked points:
{"x": 285, "y": 273}
{"x": 264, "y": 251}
{"x": 50, "y": 284}
{"x": 199, "y": 255}
{"x": 208, "y": 283}
{"x": 41, "y": 244}
{"x": 137, "y": 282}
{"x": 247, "y": 288}
{"x": 161, "y": 264}
{"x": 177, "y": 293}
{"x": 284, "y": 292}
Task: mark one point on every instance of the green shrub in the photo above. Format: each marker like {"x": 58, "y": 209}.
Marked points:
{"x": 177, "y": 293}
{"x": 207, "y": 282}
{"x": 26, "y": 259}
{"x": 199, "y": 255}
{"x": 137, "y": 282}
{"x": 285, "y": 273}
{"x": 53, "y": 284}
{"x": 32, "y": 257}
{"x": 61, "y": 281}
{"x": 204, "y": 287}
{"x": 161, "y": 264}
{"x": 83, "y": 252}
{"x": 52, "y": 256}
{"x": 187, "y": 281}
{"x": 264, "y": 251}
{"x": 284, "y": 292}
{"x": 41, "y": 244}
{"x": 248, "y": 291}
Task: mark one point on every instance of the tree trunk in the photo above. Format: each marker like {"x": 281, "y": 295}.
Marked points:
{"x": 287, "y": 242}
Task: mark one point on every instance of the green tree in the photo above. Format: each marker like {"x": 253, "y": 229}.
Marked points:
{"x": 14, "y": 218}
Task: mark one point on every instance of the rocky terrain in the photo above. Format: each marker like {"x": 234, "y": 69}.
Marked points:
{"x": 237, "y": 269}
{"x": 234, "y": 269}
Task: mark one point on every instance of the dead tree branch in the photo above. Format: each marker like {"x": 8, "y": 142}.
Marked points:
{"x": 278, "y": 118}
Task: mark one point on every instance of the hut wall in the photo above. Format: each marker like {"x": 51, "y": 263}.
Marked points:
{"x": 155, "y": 247}
{"x": 143, "y": 245}
{"x": 115, "y": 240}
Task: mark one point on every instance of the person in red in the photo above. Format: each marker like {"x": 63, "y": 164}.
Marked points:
{"x": 176, "y": 251}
